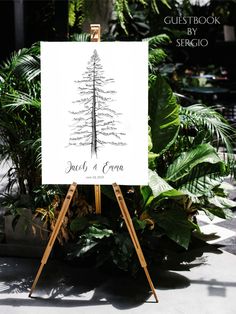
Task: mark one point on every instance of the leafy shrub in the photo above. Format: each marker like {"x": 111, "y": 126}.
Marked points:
{"x": 185, "y": 175}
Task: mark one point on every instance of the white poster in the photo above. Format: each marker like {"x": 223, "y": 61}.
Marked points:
{"x": 94, "y": 112}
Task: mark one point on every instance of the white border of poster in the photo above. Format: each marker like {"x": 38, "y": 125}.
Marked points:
{"x": 94, "y": 112}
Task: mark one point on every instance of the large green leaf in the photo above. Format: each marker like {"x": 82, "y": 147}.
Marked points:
{"x": 157, "y": 184}
{"x": 79, "y": 224}
{"x": 97, "y": 233}
{"x": 151, "y": 156}
{"x": 108, "y": 191}
{"x": 122, "y": 251}
{"x": 158, "y": 190}
{"x": 181, "y": 166}
{"x": 83, "y": 246}
{"x": 139, "y": 224}
{"x": 146, "y": 193}
{"x": 222, "y": 202}
{"x": 201, "y": 185}
{"x": 164, "y": 114}
{"x": 152, "y": 160}
{"x": 176, "y": 225}
{"x": 223, "y": 213}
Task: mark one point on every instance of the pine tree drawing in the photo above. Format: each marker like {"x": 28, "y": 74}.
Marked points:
{"x": 95, "y": 123}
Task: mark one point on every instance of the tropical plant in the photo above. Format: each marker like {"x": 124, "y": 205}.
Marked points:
{"x": 127, "y": 17}
{"x": 20, "y": 119}
{"x": 185, "y": 175}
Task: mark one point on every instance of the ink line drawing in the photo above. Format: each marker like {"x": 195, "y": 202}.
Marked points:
{"x": 95, "y": 124}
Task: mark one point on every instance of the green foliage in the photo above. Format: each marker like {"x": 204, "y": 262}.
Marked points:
{"x": 130, "y": 18}
{"x": 157, "y": 41}
{"x": 90, "y": 240}
{"x": 123, "y": 252}
{"x": 123, "y": 6}
{"x": 80, "y": 37}
{"x": 187, "y": 161}
{"x": 186, "y": 171}
{"x": 129, "y": 24}
{"x": 20, "y": 118}
{"x": 158, "y": 185}
{"x": 76, "y": 7}
{"x": 176, "y": 224}
{"x": 124, "y": 10}
{"x": 185, "y": 176}
{"x": 164, "y": 115}
{"x": 78, "y": 12}
{"x": 219, "y": 206}
{"x": 211, "y": 126}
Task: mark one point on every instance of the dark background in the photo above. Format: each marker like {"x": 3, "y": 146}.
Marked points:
{"x": 23, "y": 22}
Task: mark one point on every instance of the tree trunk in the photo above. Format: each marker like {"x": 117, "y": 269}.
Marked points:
{"x": 100, "y": 12}
{"x": 61, "y": 19}
{"x": 94, "y": 127}
{"x": 19, "y": 24}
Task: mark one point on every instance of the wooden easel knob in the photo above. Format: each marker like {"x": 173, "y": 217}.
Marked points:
{"x": 95, "y": 32}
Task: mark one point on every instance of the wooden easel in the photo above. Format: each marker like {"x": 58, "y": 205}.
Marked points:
{"x": 54, "y": 234}
{"x": 133, "y": 235}
{"x": 95, "y": 34}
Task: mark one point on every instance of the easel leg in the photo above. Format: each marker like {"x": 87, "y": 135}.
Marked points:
{"x": 54, "y": 234}
{"x": 133, "y": 235}
{"x": 95, "y": 36}
{"x": 97, "y": 190}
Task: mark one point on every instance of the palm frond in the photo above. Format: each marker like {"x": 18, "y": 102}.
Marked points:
{"x": 36, "y": 148}
{"x": 218, "y": 129}
{"x": 10, "y": 64}
{"x": 158, "y": 41}
{"x": 156, "y": 57}
{"x": 20, "y": 68}
{"x": 22, "y": 100}
{"x": 28, "y": 67}
{"x": 80, "y": 37}
{"x": 156, "y": 54}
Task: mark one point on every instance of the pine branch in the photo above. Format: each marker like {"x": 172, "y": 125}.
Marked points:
{"x": 111, "y": 134}
{"x": 80, "y": 144}
{"x": 80, "y": 127}
{"x": 108, "y": 128}
{"x": 104, "y": 115}
{"x": 80, "y": 111}
{"x": 109, "y": 110}
{"x": 112, "y": 143}
{"x": 86, "y": 134}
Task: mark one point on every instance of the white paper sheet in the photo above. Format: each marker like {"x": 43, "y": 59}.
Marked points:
{"x": 94, "y": 112}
